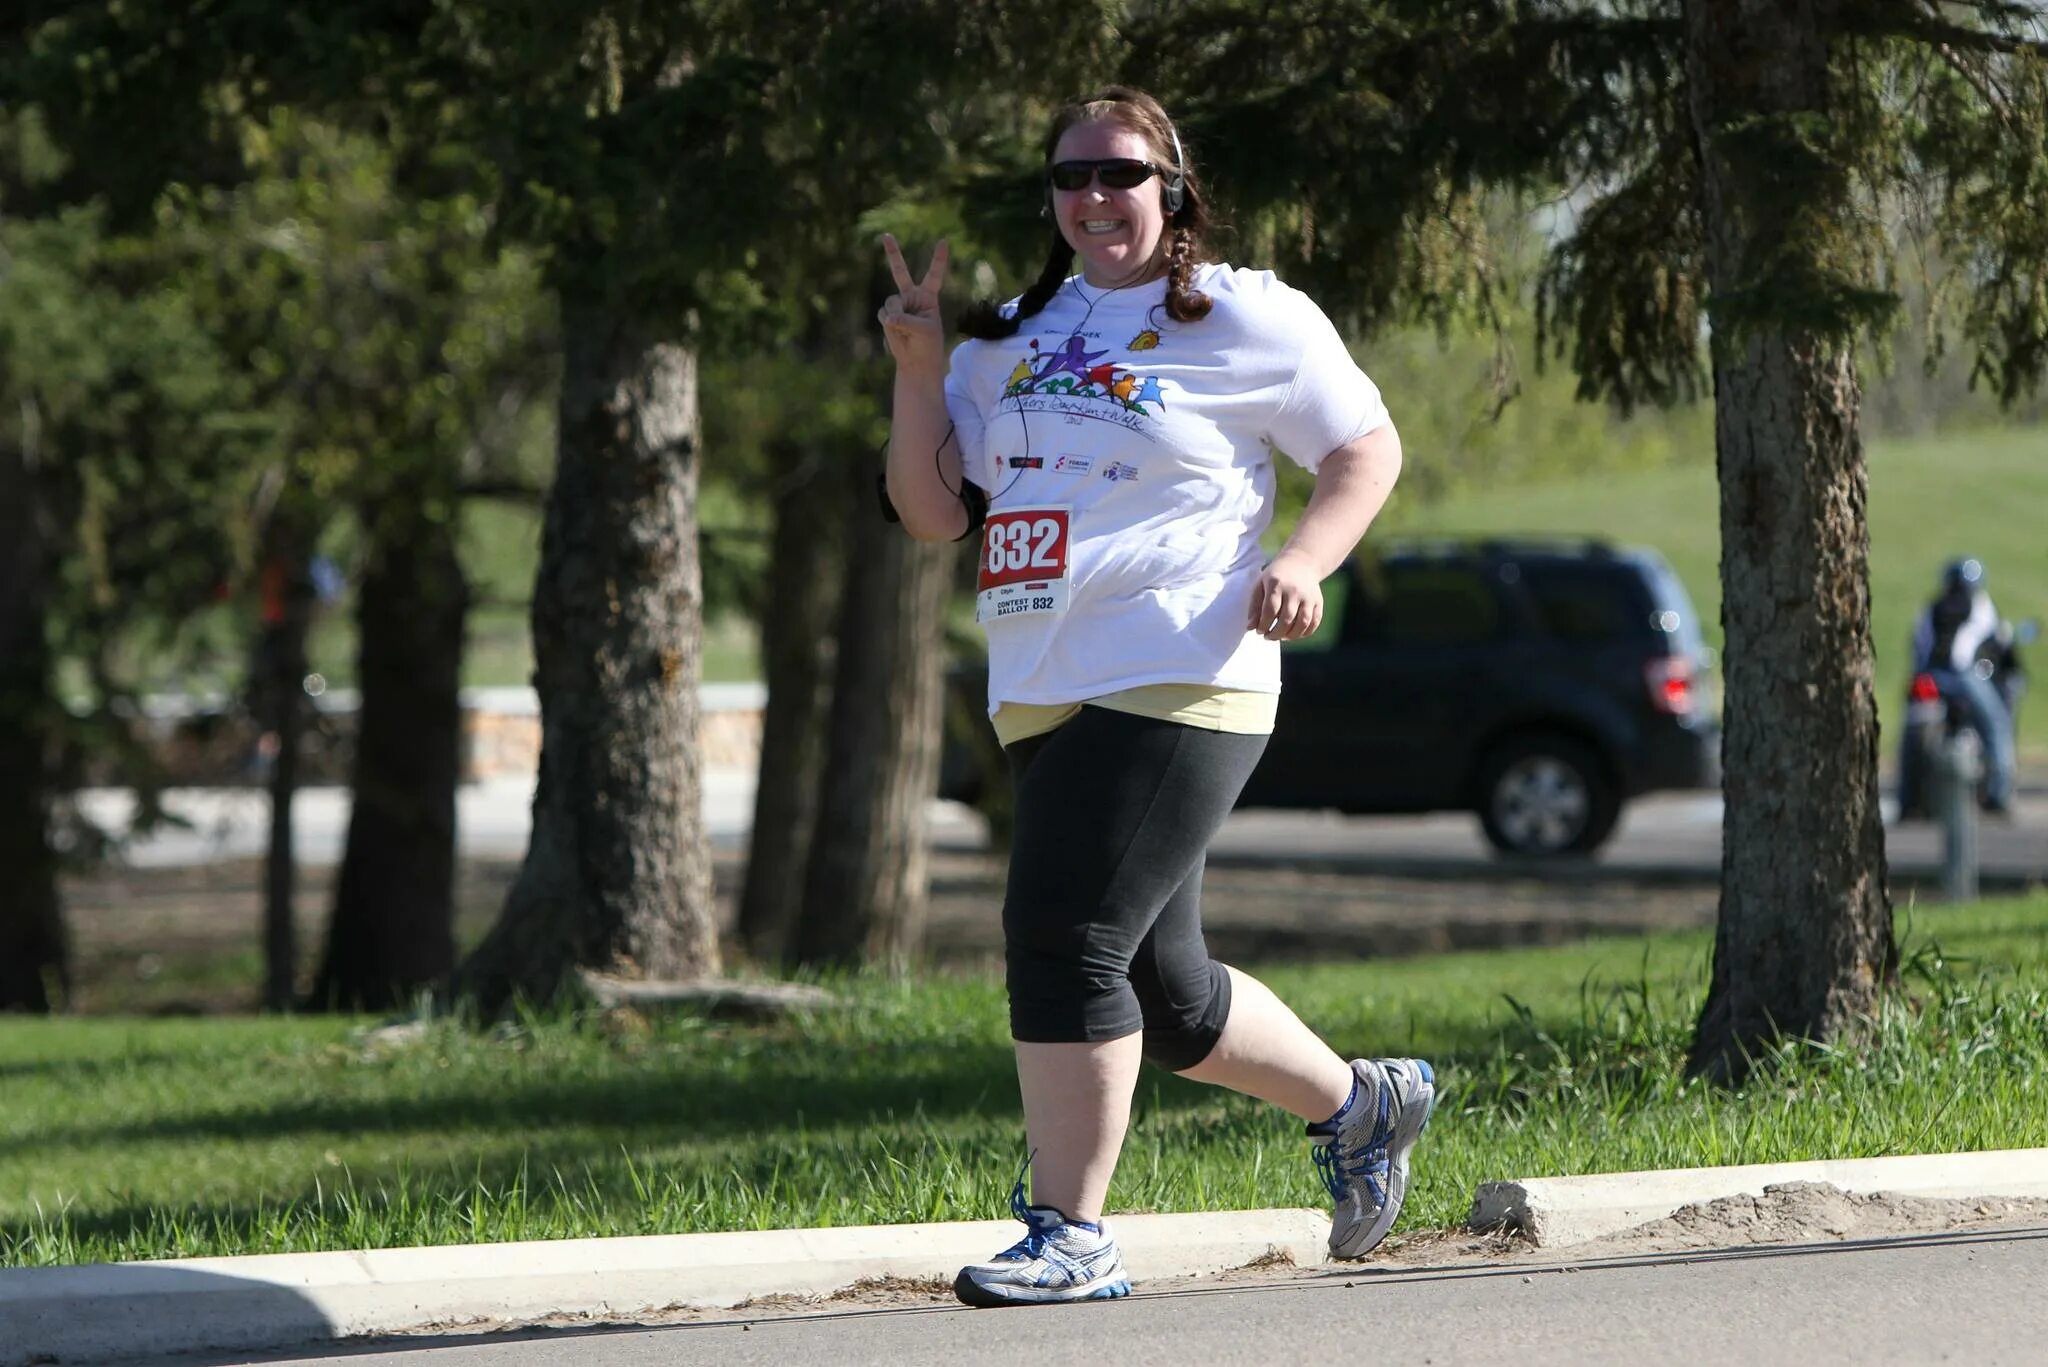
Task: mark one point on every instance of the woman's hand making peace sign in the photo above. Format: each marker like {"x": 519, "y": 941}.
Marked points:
{"x": 910, "y": 317}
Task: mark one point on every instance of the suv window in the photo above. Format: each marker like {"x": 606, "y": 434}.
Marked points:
{"x": 1433, "y": 603}
{"x": 1583, "y": 603}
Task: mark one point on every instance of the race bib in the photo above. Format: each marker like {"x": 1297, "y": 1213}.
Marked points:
{"x": 1023, "y": 564}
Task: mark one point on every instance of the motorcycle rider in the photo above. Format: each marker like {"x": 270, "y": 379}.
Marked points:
{"x": 1956, "y": 627}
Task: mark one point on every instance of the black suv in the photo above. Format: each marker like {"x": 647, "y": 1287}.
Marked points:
{"x": 1538, "y": 683}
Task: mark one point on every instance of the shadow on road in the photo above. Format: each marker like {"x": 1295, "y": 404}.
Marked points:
{"x": 132, "y": 1311}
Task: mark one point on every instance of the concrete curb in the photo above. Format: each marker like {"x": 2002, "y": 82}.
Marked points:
{"x": 1554, "y": 1212}
{"x": 105, "y": 1312}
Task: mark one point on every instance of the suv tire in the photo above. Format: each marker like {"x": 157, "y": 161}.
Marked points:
{"x": 1546, "y": 796}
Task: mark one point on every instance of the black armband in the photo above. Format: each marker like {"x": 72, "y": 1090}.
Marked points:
{"x": 971, "y": 498}
{"x": 976, "y": 504}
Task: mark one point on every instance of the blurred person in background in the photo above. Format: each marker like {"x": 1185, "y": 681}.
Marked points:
{"x": 1958, "y": 629}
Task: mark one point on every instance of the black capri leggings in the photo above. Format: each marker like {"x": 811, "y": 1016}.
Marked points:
{"x": 1102, "y": 918}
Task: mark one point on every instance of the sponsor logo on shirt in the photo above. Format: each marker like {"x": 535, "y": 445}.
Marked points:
{"x": 1073, "y": 465}
{"x": 1117, "y": 471}
{"x": 1027, "y": 462}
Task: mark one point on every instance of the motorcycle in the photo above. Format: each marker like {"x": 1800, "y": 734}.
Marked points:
{"x": 1935, "y": 716}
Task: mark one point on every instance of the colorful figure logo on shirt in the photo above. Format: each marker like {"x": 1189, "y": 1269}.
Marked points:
{"x": 1069, "y": 359}
{"x": 1077, "y": 373}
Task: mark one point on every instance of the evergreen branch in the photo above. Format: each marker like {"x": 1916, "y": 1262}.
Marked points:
{"x": 1994, "y": 99}
{"x": 1929, "y": 27}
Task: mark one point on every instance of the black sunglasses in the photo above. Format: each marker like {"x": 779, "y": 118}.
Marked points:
{"x": 1117, "y": 173}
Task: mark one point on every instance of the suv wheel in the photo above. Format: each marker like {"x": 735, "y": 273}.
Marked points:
{"x": 1544, "y": 796}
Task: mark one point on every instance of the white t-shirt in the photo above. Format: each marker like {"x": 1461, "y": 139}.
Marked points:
{"x": 1158, "y": 437}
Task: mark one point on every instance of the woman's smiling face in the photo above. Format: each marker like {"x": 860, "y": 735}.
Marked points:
{"x": 1116, "y": 233}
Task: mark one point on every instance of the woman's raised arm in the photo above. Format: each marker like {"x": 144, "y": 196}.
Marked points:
{"x": 924, "y": 466}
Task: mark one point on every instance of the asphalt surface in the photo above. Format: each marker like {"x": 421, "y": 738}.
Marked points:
{"x": 1968, "y": 1297}
{"x": 1661, "y": 838}
{"x": 1672, "y": 836}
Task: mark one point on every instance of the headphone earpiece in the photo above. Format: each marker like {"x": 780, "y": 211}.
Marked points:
{"x": 1176, "y": 193}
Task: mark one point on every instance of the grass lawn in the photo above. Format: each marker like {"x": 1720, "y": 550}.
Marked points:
{"x": 1967, "y": 493}
{"x": 133, "y": 1139}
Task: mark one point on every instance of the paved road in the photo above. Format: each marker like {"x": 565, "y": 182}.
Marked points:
{"x": 1966, "y": 1298}
{"x": 1664, "y": 837}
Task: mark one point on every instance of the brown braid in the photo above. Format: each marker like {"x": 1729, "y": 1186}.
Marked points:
{"x": 985, "y": 318}
{"x": 1184, "y": 303}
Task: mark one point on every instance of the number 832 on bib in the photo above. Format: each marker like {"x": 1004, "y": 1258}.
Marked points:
{"x": 1023, "y": 564}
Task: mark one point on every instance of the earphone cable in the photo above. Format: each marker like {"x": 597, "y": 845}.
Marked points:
{"x": 1088, "y": 313}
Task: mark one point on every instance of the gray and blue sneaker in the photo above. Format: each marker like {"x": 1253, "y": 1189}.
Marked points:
{"x": 1055, "y": 1261}
{"x": 1362, "y": 1155}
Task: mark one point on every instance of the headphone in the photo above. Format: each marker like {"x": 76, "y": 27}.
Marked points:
{"x": 1174, "y": 192}
{"x": 1177, "y": 188}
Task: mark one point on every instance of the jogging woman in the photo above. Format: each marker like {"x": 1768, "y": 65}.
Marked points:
{"x": 1110, "y": 437}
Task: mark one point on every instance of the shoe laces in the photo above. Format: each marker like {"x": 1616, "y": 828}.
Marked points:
{"x": 1038, "y": 1230}
{"x": 1339, "y": 1165}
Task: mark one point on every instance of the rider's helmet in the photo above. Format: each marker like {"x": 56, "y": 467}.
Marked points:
{"x": 1962, "y": 576}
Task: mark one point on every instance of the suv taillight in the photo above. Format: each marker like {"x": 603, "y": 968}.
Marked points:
{"x": 1670, "y": 681}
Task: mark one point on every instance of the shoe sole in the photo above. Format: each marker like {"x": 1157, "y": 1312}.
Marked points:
{"x": 1397, "y": 1163}
{"x": 973, "y": 1293}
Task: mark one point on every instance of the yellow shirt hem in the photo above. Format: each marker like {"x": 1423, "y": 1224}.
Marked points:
{"x": 1236, "y": 710}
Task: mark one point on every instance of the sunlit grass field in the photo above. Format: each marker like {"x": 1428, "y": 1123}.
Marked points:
{"x": 141, "y": 1139}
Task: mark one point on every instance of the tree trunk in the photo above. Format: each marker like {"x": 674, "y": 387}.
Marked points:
{"x": 392, "y": 932}
{"x": 617, "y": 876}
{"x": 866, "y": 885}
{"x": 281, "y": 676}
{"x": 34, "y": 962}
{"x": 797, "y": 649}
{"x": 1804, "y": 944}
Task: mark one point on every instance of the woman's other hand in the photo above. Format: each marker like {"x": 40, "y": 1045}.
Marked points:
{"x": 1287, "y": 602}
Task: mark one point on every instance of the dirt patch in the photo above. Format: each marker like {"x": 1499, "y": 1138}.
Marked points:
{"x": 1813, "y": 1212}
{"x": 187, "y": 940}
{"x": 777, "y": 1303}
{"x": 893, "y": 1291}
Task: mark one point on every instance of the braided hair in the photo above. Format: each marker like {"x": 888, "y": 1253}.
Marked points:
{"x": 1183, "y": 241}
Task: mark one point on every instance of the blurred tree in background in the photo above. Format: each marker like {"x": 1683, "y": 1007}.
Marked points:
{"x": 388, "y": 347}
{"x": 400, "y": 349}
{"x": 125, "y": 437}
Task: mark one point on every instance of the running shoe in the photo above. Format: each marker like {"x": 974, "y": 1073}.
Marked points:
{"x": 1362, "y": 1154}
{"x": 1055, "y": 1261}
